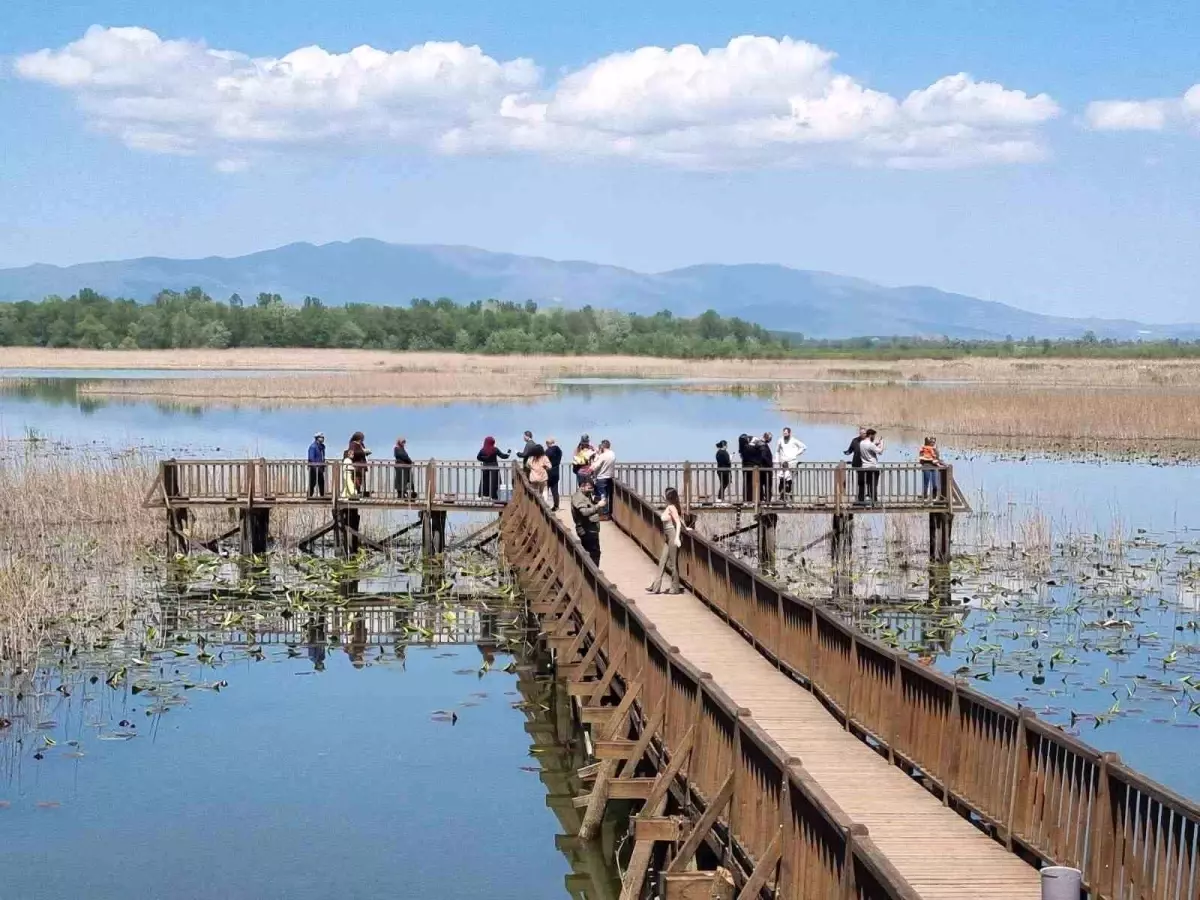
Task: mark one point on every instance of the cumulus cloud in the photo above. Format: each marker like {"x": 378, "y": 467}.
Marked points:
{"x": 1145, "y": 115}
{"x": 756, "y": 101}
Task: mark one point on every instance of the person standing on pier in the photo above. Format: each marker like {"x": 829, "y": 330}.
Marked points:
{"x": 787, "y": 454}
{"x": 870, "y": 448}
{"x": 527, "y": 451}
{"x": 554, "y": 455}
{"x": 672, "y": 523}
{"x": 586, "y": 509}
{"x": 724, "y": 465}
{"x": 856, "y": 461}
{"x": 538, "y": 464}
{"x": 358, "y": 456}
{"x": 316, "y": 466}
{"x": 604, "y": 469}
{"x": 748, "y": 452}
{"x": 930, "y": 461}
{"x": 766, "y": 473}
{"x": 404, "y": 490}
{"x": 349, "y": 476}
{"x": 581, "y": 462}
{"x": 489, "y": 457}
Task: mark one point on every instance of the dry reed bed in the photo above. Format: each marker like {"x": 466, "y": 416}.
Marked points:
{"x": 1070, "y": 417}
{"x": 986, "y": 370}
{"x": 351, "y": 387}
{"x": 72, "y": 530}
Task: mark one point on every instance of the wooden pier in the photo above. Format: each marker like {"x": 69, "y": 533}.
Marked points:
{"x": 434, "y": 489}
{"x": 799, "y": 758}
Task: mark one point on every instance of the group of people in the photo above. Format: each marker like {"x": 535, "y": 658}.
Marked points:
{"x": 760, "y": 458}
{"x": 354, "y": 474}
{"x": 864, "y": 452}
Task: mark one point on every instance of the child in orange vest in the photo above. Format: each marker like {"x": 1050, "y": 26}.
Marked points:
{"x": 931, "y": 461}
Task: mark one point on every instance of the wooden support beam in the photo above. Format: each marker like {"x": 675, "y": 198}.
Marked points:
{"x": 656, "y": 804}
{"x": 650, "y": 729}
{"x": 659, "y": 828}
{"x": 716, "y": 885}
{"x": 611, "y": 729}
{"x": 622, "y": 749}
{"x": 602, "y": 686}
{"x": 703, "y": 826}
{"x": 620, "y": 789}
{"x": 762, "y": 870}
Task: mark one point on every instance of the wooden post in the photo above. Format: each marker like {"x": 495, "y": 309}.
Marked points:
{"x": 841, "y": 547}
{"x": 687, "y": 488}
{"x": 433, "y": 532}
{"x": 177, "y": 516}
{"x": 430, "y": 484}
{"x": 767, "y": 523}
{"x": 939, "y": 537}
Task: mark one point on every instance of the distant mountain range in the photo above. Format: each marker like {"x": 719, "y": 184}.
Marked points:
{"x": 816, "y": 304}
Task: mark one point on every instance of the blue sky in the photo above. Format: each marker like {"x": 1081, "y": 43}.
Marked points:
{"x": 1007, "y": 185}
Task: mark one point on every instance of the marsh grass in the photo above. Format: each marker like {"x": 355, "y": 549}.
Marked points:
{"x": 1070, "y": 419}
{"x": 1051, "y": 371}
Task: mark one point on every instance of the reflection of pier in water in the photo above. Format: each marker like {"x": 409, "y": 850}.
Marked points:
{"x": 378, "y": 622}
{"x": 560, "y": 755}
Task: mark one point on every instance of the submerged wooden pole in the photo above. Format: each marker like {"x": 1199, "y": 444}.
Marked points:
{"x": 767, "y": 528}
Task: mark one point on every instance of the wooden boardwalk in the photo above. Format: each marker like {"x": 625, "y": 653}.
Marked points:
{"x": 936, "y": 850}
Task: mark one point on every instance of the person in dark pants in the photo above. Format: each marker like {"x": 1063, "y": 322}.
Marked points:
{"x": 524, "y": 454}
{"x": 748, "y": 451}
{"x": 724, "y": 465}
{"x": 489, "y": 456}
{"x": 554, "y": 454}
{"x": 358, "y": 456}
{"x": 316, "y": 466}
{"x": 404, "y": 489}
{"x": 586, "y": 509}
{"x": 860, "y": 481}
{"x": 766, "y": 469}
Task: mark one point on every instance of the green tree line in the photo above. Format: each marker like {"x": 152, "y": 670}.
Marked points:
{"x": 193, "y": 319}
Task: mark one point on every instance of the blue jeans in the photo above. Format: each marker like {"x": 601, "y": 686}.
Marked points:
{"x": 604, "y": 489}
{"x": 929, "y": 482}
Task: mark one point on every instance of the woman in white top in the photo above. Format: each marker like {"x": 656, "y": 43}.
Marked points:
{"x": 672, "y": 522}
{"x": 870, "y": 448}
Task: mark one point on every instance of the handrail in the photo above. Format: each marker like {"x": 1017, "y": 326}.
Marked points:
{"x": 1041, "y": 790}
{"x": 819, "y": 486}
{"x": 823, "y": 853}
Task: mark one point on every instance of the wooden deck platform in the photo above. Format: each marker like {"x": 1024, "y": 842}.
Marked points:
{"x": 937, "y": 851}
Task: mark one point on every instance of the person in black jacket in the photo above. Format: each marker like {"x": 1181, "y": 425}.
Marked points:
{"x": 489, "y": 456}
{"x": 404, "y": 488}
{"x": 748, "y": 451}
{"x": 724, "y": 464}
{"x": 554, "y": 453}
{"x": 860, "y": 486}
{"x": 766, "y": 465}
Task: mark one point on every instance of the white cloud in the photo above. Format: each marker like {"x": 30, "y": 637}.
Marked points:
{"x": 756, "y": 102}
{"x": 1145, "y": 115}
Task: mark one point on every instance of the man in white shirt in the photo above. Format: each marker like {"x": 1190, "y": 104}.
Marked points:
{"x": 604, "y": 466}
{"x": 787, "y": 455}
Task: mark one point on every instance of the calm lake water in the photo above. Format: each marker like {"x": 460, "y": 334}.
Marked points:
{"x": 340, "y": 782}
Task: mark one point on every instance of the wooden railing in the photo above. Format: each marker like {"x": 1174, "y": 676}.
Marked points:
{"x": 832, "y": 486}
{"x": 1041, "y": 790}
{"x": 775, "y": 806}
{"x": 287, "y": 480}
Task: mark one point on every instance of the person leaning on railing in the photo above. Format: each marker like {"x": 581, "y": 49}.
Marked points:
{"x": 931, "y": 462}
{"x": 404, "y": 489}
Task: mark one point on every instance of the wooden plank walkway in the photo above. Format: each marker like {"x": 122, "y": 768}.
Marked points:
{"x": 940, "y": 854}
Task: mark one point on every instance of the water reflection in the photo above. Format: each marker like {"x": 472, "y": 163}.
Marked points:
{"x": 201, "y": 741}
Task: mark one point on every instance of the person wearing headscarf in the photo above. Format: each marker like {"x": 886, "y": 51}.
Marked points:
{"x": 489, "y": 457}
